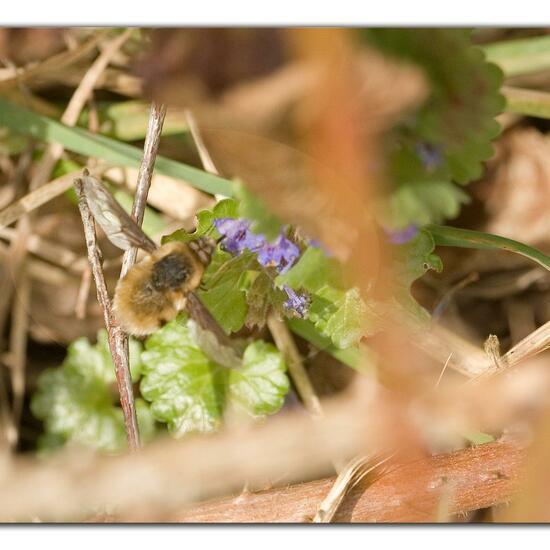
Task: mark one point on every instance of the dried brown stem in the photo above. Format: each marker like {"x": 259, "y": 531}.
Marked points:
{"x": 118, "y": 352}
{"x": 145, "y": 175}
{"x": 285, "y": 342}
{"x": 152, "y": 139}
{"x": 55, "y": 63}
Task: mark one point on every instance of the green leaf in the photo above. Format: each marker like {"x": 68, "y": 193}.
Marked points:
{"x": 306, "y": 329}
{"x": 260, "y": 385}
{"x": 225, "y": 289}
{"x": 313, "y": 271}
{"x": 111, "y": 151}
{"x": 190, "y": 392}
{"x": 185, "y": 388}
{"x": 410, "y": 262}
{"x": 77, "y": 401}
{"x": 458, "y": 119}
{"x": 343, "y": 316}
{"x": 226, "y": 208}
{"x": 422, "y": 202}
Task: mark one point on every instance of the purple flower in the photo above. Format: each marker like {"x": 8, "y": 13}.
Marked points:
{"x": 280, "y": 255}
{"x": 237, "y": 236}
{"x": 297, "y": 303}
{"x": 429, "y": 154}
{"x": 402, "y": 236}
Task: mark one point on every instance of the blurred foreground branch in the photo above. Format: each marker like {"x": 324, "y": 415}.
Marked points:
{"x": 478, "y": 477}
{"x": 167, "y": 475}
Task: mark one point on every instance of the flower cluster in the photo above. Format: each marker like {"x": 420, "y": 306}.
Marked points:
{"x": 296, "y": 303}
{"x": 280, "y": 255}
{"x": 237, "y": 237}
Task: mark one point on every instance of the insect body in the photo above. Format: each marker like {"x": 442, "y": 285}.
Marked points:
{"x": 155, "y": 289}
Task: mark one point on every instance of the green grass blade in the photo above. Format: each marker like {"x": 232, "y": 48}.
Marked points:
{"x": 466, "y": 238}
{"x": 111, "y": 151}
{"x": 516, "y": 57}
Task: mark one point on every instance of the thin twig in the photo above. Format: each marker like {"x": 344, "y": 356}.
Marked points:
{"x": 118, "y": 353}
{"x": 145, "y": 175}
{"x": 150, "y": 148}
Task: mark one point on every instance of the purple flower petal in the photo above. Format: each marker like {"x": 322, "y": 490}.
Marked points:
{"x": 280, "y": 255}
{"x": 402, "y": 236}
{"x": 237, "y": 236}
{"x": 297, "y": 303}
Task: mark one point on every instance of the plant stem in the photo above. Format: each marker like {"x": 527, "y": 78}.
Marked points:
{"x": 285, "y": 342}
{"x": 118, "y": 352}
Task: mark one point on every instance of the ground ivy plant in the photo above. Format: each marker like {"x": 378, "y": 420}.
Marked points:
{"x": 263, "y": 266}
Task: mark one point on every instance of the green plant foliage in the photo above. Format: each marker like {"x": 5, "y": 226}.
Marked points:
{"x": 225, "y": 284}
{"x": 456, "y": 122}
{"x": 338, "y": 313}
{"x": 411, "y": 261}
{"x": 227, "y": 208}
{"x": 77, "y": 401}
{"x": 190, "y": 392}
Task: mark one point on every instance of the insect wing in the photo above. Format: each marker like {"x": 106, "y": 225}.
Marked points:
{"x": 119, "y": 227}
{"x": 210, "y": 335}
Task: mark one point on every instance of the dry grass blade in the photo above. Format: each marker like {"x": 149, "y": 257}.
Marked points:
{"x": 54, "y": 63}
{"x": 36, "y": 198}
{"x": 349, "y": 477}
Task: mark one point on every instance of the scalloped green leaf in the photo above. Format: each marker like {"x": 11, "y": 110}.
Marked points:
{"x": 260, "y": 385}
{"x": 457, "y": 120}
{"x": 190, "y": 392}
{"x": 78, "y": 401}
{"x": 338, "y": 313}
{"x": 226, "y": 208}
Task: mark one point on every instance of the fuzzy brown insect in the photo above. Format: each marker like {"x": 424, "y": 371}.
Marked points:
{"x": 161, "y": 285}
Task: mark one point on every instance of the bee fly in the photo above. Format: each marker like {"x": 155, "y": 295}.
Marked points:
{"x": 161, "y": 285}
